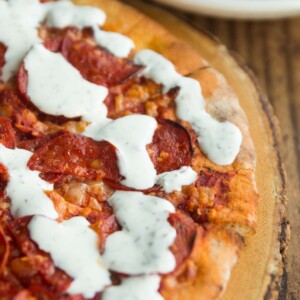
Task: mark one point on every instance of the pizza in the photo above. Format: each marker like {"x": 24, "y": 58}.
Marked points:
{"x": 127, "y": 168}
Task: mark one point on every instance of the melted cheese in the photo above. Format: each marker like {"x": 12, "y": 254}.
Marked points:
{"x": 25, "y": 188}
{"x": 135, "y": 288}
{"x": 57, "y": 88}
{"x": 220, "y": 141}
{"x": 130, "y": 135}
{"x": 142, "y": 247}
{"x": 174, "y": 180}
{"x": 73, "y": 247}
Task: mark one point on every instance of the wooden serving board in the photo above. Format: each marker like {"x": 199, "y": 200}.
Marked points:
{"x": 258, "y": 272}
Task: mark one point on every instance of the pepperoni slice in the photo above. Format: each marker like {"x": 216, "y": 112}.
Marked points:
{"x": 7, "y": 133}
{"x": 39, "y": 260}
{"x": 23, "y": 118}
{"x": 84, "y": 157}
{"x": 3, "y": 49}
{"x": 171, "y": 147}
{"x": 186, "y": 230}
{"x": 95, "y": 63}
{"x": 76, "y": 155}
{"x": 35, "y": 143}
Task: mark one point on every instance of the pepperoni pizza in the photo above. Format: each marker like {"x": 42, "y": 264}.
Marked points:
{"x": 126, "y": 164}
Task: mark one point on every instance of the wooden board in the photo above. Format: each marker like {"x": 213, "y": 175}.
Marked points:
{"x": 256, "y": 274}
{"x": 272, "y": 50}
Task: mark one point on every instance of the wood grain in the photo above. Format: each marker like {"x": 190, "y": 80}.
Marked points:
{"x": 272, "y": 50}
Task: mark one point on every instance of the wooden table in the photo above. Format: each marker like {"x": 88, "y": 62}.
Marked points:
{"x": 272, "y": 50}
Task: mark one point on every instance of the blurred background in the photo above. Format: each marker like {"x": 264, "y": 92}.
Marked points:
{"x": 265, "y": 34}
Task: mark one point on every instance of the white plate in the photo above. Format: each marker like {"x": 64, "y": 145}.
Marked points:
{"x": 239, "y": 9}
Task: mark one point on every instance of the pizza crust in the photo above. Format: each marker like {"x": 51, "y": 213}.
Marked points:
{"x": 215, "y": 253}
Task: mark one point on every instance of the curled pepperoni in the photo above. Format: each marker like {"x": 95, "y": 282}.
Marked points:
{"x": 186, "y": 230}
{"x": 81, "y": 156}
{"x": 7, "y": 133}
{"x": 76, "y": 155}
{"x": 171, "y": 147}
{"x": 95, "y": 63}
{"x": 39, "y": 261}
{"x": 24, "y": 119}
{"x": 3, "y": 49}
{"x": 35, "y": 143}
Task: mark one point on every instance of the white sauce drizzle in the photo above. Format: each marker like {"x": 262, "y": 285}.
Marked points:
{"x": 19, "y": 20}
{"x": 57, "y": 88}
{"x": 64, "y": 13}
{"x": 25, "y": 188}
{"x": 142, "y": 246}
{"x": 130, "y": 135}
{"x": 135, "y": 288}
{"x": 118, "y": 44}
{"x": 174, "y": 180}
{"x": 220, "y": 141}
{"x": 73, "y": 247}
